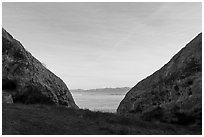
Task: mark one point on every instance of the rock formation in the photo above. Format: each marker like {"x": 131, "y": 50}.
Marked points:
{"x": 6, "y": 97}
{"x": 27, "y": 80}
{"x": 173, "y": 93}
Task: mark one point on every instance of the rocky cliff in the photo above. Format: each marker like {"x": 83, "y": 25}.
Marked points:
{"x": 173, "y": 93}
{"x": 27, "y": 80}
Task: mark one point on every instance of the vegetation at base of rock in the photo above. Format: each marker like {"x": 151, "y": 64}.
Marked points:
{"x": 8, "y": 84}
{"x": 41, "y": 119}
{"x": 174, "y": 117}
{"x": 32, "y": 95}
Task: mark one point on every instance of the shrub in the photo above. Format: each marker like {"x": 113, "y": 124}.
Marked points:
{"x": 156, "y": 113}
{"x": 32, "y": 95}
{"x": 8, "y": 84}
{"x": 183, "y": 119}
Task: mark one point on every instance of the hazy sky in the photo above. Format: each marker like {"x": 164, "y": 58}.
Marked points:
{"x": 95, "y": 45}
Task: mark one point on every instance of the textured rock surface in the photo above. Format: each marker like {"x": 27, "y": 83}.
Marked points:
{"x": 173, "y": 93}
{"x": 27, "y": 80}
{"x": 7, "y": 98}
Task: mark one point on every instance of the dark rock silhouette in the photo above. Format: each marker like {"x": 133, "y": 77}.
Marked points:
{"x": 173, "y": 93}
{"x": 27, "y": 80}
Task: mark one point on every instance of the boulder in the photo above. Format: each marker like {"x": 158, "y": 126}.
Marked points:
{"x": 7, "y": 98}
{"x": 27, "y": 79}
{"x": 174, "y": 92}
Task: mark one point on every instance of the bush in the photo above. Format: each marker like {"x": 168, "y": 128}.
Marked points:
{"x": 156, "y": 113}
{"x": 183, "y": 119}
{"x": 32, "y": 95}
{"x": 8, "y": 84}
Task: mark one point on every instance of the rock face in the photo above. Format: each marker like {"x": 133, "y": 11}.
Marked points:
{"x": 173, "y": 93}
{"x": 27, "y": 80}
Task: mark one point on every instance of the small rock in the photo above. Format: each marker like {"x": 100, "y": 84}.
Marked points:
{"x": 7, "y": 98}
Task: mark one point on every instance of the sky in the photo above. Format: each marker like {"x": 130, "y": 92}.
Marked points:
{"x": 98, "y": 45}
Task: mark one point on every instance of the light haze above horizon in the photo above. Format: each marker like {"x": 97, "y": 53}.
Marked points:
{"x": 98, "y": 45}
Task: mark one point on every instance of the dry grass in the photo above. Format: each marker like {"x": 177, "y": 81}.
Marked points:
{"x": 52, "y": 120}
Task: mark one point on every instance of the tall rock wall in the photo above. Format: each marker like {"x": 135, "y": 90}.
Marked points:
{"x": 173, "y": 93}
{"x": 27, "y": 80}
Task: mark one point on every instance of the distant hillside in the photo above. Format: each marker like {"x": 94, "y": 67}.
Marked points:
{"x": 121, "y": 90}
